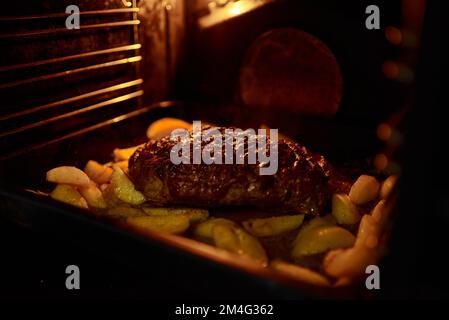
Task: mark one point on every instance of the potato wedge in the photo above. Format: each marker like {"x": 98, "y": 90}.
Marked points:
{"x": 343, "y": 210}
{"x": 369, "y": 232}
{"x": 163, "y": 127}
{"x": 124, "y": 212}
{"x": 327, "y": 220}
{"x": 321, "y": 239}
{"x": 122, "y": 164}
{"x": 204, "y": 230}
{"x": 352, "y": 262}
{"x": 124, "y": 154}
{"x": 93, "y": 196}
{"x": 68, "y": 175}
{"x": 349, "y": 263}
{"x": 109, "y": 196}
{"x": 194, "y": 214}
{"x": 388, "y": 186}
{"x": 364, "y": 190}
{"x": 273, "y": 226}
{"x": 124, "y": 188}
{"x": 303, "y": 274}
{"x": 225, "y": 237}
{"x": 68, "y": 194}
{"x": 175, "y": 224}
{"x": 379, "y": 213}
{"x": 251, "y": 247}
{"x": 98, "y": 172}
{"x": 238, "y": 241}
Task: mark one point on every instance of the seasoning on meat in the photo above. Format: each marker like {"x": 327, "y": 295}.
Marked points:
{"x": 300, "y": 185}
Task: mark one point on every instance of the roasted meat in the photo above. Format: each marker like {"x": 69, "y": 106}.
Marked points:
{"x": 300, "y": 185}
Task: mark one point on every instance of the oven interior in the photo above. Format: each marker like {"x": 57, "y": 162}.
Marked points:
{"x": 74, "y": 95}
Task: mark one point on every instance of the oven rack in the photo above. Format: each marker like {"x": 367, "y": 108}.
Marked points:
{"x": 55, "y": 80}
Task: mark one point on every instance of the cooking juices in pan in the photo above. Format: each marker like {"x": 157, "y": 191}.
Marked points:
{"x": 332, "y": 248}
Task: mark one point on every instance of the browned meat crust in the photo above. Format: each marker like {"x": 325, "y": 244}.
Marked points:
{"x": 299, "y": 186}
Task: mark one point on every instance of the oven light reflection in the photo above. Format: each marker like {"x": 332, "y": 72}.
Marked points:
{"x": 399, "y": 72}
{"x": 221, "y": 11}
{"x": 393, "y": 35}
{"x": 390, "y": 69}
{"x": 380, "y": 161}
{"x": 384, "y": 132}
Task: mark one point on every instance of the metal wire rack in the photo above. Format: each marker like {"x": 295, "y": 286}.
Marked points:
{"x": 54, "y": 80}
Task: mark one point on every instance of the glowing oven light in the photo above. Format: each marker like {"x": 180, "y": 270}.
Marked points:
{"x": 220, "y": 13}
{"x": 238, "y": 8}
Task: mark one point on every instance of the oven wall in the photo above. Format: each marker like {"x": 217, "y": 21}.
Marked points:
{"x": 214, "y": 55}
{"x": 55, "y": 81}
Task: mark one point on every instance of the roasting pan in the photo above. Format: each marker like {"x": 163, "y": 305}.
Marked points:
{"x": 165, "y": 261}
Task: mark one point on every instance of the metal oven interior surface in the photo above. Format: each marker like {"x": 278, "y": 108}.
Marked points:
{"x": 71, "y": 96}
